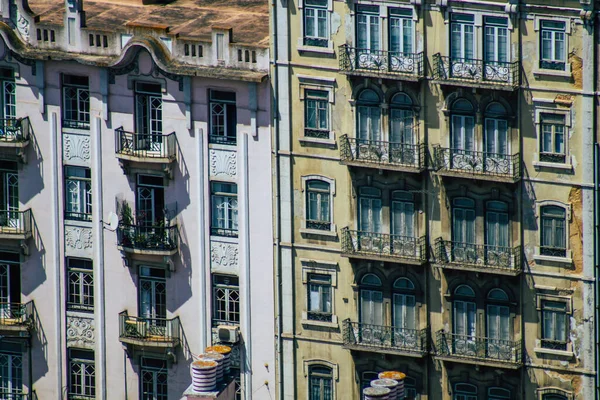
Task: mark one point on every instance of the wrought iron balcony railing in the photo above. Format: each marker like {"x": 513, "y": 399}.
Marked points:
{"x": 478, "y": 257}
{"x": 465, "y": 70}
{"x": 383, "y": 245}
{"x": 319, "y": 316}
{"x": 316, "y": 133}
{"x": 14, "y": 130}
{"x": 224, "y": 232}
{"x": 76, "y": 396}
{"x": 379, "y": 154}
{"x": 384, "y": 338}
{"x": 553, "y": 251}
{"x": 17, "y": 315}
{"x": 222, "y": 139}
{"x": 380, "y": 62}
{"x": 17, "y": 223}
{"x": 141, "y": 145}
{"x": 474, "y": 348}
{"x": 76, "y": 124}
{"x": 17, "y": 395}
{"x": 477, "y": 163}
{"x": 554, "y": 344}
{"x": 160, "y": 330}
{"x": 146, "y": 237}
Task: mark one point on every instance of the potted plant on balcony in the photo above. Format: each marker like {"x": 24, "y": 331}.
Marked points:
{"x": 126, "y": 220}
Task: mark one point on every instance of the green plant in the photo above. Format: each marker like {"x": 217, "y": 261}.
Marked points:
{"x": 126, "y": 214}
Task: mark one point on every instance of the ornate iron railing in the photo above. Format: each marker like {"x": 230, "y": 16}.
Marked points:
{"x": 316, "y": 42}
{"x": 222, "y": 139}
{"x": 554, "y": 344}
{"x": 149, "y": 329}
{"x": 380, "y": 61}
{"x": 379, "y": 154}
{"x": 482, "y": 348}
{"x": 477, "y": 162}
{"x": 319, "y": 316}
{"x": 481, "y": 256}
{"x": 553, "y": 158}
{"x": 383, "y": 245}
{"x": 75, "y": 396}
{"x": 552, "y": 65}
{"x": 385, "y": 337}
{"x": 145, "y": 145}
{"x": 476, "y": 71}
{"x": 223, "y": 232}
{"x": 17, "y": 395}
{"x": 145, "y": 237}
{"x": 15, "y": 222}
{"x": 14, "y": 130}
{"x": 553, "y": 251}
{"x": 316, "y": 133}
{"x": 318, "y": 225}
{"x": 17, "y": 314}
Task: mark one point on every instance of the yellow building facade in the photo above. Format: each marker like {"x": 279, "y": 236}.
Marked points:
{"x": 434, "y": 197}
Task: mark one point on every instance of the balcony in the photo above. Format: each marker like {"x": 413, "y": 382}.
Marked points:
{"x": 145, "y": 148}
{"x": 15, "y": 224}
{"x": 17, "y": 319}
{"x": 476, "y": 73}
{"x": 382, "y": 155}
{"x": 478, "y": 350}
{"x": 383, "y": 247}
{"x": 381, "y": 64}
{"x": 150, "y": 240}
{"x": 478, "y": 257}
{"x": 477, "y": 164}
{"x": 385, "y": 339}
{"x": 149, "y": 332}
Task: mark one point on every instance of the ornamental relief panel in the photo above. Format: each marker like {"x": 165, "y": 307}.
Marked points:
{"x": 76, "y": 149}
{"x": 223, "y": 163}
{"x": 224, "y": 257}
{"x": 80, "y": 332}
{"x": 78, "y": 241}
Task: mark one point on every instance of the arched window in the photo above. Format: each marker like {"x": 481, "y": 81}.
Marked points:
{"x": 463, "y": 126}
{"x": 464, "y": 291}
{"x": 465, "y": 391}
{"x": 404, "y": 284}
{"x": 370, "y": 280}
{"x": 463, "y": 230}
{"x": 369, "y": 116}
{"x": 404, "y": 314}
{"x": 403, "y": 216}
{"x": 371, "y": 302}
{"x": 497, "y": 295}
{"x": 553, "y": 235}
{"x": 497, "y": 393}
{"x": 318, "y": 205}
{"x": 496, "y": 233}
{"x": 401, "y": 122}
{"x": 464, "y": 320}
{"x": 320, "y": 378}
{"x": 498, "y": 325}
{"x": 369, "y": 209}
{"x": 554, "y": 393}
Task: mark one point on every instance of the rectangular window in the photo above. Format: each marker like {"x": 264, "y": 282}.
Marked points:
{"x": 152, "y": 291}
{"x": 11, "y": 368}
{"x": 367, "y": 28}
{"x": 496, "y": 40}
{"x": 224, "y": 209}
{"x": 80, "y": 286}
{"x": 462, "y": 37}
{"x": 401, "y": 31}
{"x": 553, "y": 45}
{"x": 82, "y": 374}
{"x": 148, "y": 114}
{"x": 553, "y": 231}
{"x": 153, "y": 379}
{"x": 316, "y": 114}
{"x": 226, "y": 299}
{"x": 150, "y": 201}
{"x": 76, "y": 101}
{"x": 555, "y": 325}
{"x": 320, "y": 383}
{"x": 315, "y": 23}
{"x": 319, "y": 297}
{"x": 71, "y": 31}
{"x": 220, "y": 46}
{"x": 9, "y": 195}
{"x": 223, "y": 118}
{"x": 318, "y": 205}
{"x": 552, "y": 140}
{"x": 8, "y": 105}
{"x": 78, "y": 194}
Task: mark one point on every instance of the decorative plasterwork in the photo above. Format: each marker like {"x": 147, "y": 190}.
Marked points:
{"x": 223, "y": 164}
{"x": 78, "y": 241}
{"x": 76, "y": 149}
{"x": 23, "y": 27}
{"x": 224, "y": 256}
{"x": 80, "y": 332}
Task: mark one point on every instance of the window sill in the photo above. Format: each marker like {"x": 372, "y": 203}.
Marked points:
{"x": 562, "y": 260}
{"x": 318, "y": 232}
{"x": 560, "y": 353}
{"x": 315, "y": 49}
{"x": 551, "y": 72}
{"x": 79, "y": 131}
{"x": 323, "y": 324}
{"x": 542, "y": 164}
{"x": 326, "y": 142}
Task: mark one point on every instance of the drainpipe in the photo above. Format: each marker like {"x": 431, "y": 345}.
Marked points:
{"x": 200, "y": 223}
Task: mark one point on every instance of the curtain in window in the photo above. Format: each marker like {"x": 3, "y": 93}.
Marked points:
{"x": 368, "y": 123}
{"x": 462, "y": 41}
{"x": 464, "y": 318}
{"x": 463, "y": 132}
{"x": 371, "y": 307}
{"x": 498, "y": 322}
{"x": 403, "y": 214}
{"x": 497, "y": 229}
{"x": 370, "y": 214}
{"x": 463, "y": 225}
{"x": 496, "y": 44}
{"x": 496, "y": 136}
{"x": 401, "y": 126}
{"x": 404, "y": 311}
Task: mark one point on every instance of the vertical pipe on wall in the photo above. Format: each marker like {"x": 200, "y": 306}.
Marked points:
{"x": 203, "y": 328}
{"x": 98, "y": 234}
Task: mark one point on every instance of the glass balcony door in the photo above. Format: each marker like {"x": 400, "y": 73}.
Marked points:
{"x": 153, "y": 299}
{"x": 11, "y": 374}
{"x": 464, "y": 328}
{"x": 371, "y": 317}
{"x": 498, "y": 332}
{"x": 404, "y": 320}
{"x": 496, "y": 231}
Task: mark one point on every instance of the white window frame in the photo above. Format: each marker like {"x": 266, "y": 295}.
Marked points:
{"x": 568, "y": 300}
{"x": 332, "y": 229}
{"x": 538, "y": 257}
{"x": 83, "y": 364}
{"x": 301, "y": 47}
{"x": 323, "y": 268}
{"x": 228, "y": 288}
{"x": 306, "y": 364}
{"x": 414, "y": 24}
{"x": 561, "y": 113}
{"x": 537, "y": 27}
{"x": 323, "y": 84}
{"x": 83, "y": 193}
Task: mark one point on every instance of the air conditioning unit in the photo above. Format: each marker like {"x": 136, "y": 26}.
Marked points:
{"x": 228, "y": 334}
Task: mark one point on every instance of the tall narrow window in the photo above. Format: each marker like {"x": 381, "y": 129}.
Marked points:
{"x": 369, "y": 122}
{"x": 553, "y": 45}
{"x": 80, "y": 288}
{"x": 153, "y": 379}
{"x": 10, "y": 286}
{"x": 320, "y": 381}
{"x": 371, "y": 303}
{"x": 78, "y": 187}
{"x": 152, "y": 291}
{"x": 552, "y": 139}
{"x": 226, "y": 299}
{"x": 462, "y": 38}
{"x": 148, "y": 116}
{"x": 499, "y": 334}
{"x": 220, "y": 46}
{"x": 318, "y": 205}
{"x": 496, "y": 41}
{"x": 554, "y": 325}
{"x": 150, "y": 200}
{"x": 8, "y": 104}
{"x": 403, "y": 214}
{"x": 9, "y": 195}
{"x": 224, "y": 221}
{"x": 315, "y": 23}
{"x": 463, "y": 230}
{"x": 496, "y": 226}
{"x": 76, "y": 101}
{"x": 316, "y": 114}
{"x": 404, "y": 315}
{"x": 401, "y": 32}
{"x": 464, "y": 309}
{"x": 319, "y": 297}
{"x": 553, "y": 241}
{"x": 82, "y": 374}
{"x": 11, "y": 369}
{"x": 369, "y": 204}
{"x": 367, "y": 28}
{"x": 496, "y": 140}
{"x": 223, "y": 118}
{"x": 497, "y": 393}
{"x": 402, "y": 138}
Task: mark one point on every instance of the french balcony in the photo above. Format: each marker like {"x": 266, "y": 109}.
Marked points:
{"x": 383, "y": 247}
{"x": 382, "y": 155}
{"x": 17, "y": 318}
{"x": 145, "y": 148}
{"x": 476, "y": 73}
{"x": 385, "y": 339}
{"x": 147, "y": 239}
{"x": 496, "y": 353}
{"x": 15, "y": 224}
{"x": 477, "y": 257}
{"x": 380, "y": 63}
{"x": 149, "y": 332}
{"x": 477, "y": 164}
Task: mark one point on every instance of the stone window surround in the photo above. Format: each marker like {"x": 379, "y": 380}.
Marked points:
{"x": 333, "y": 229}
{"x": 323, "y": 268}
{"x": 536, "y": 28}
{"x": 324, "y": 84}
{"x": 568, "y": 300}
{"x": 301, "y": 47}
{"x": 566, "y": 113}
{"x": 568, "y": 214}
{"x": 306, "y": 364}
